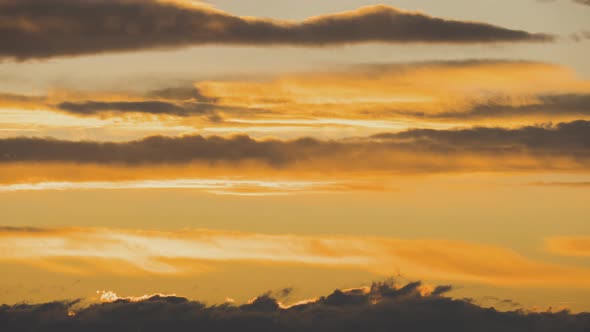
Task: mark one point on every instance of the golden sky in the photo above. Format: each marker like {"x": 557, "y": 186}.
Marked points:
{"x": 221, "y": 149}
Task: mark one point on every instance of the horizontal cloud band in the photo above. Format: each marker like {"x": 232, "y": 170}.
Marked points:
{"x": 41, "y": 29}
{"x": 167, "y": 253}
{"x": 561, "y": 146}
{"x": 381, "y": 307}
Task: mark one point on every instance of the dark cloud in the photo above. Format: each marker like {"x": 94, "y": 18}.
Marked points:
{"x": 42, "y": 29}
{"x": 91, "y": 108}
{"x": 181, "y": 93}
{"x": 381, "y": 308}
{"x": 582, "y": 2}
{"x": 174, "y": 101}
{"x": 383, "y": 151}
{"x": 544, "y": 105}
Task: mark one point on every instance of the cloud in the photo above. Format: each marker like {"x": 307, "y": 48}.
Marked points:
{"x": 182, "y": 101}
{"x": 38, "y": 29}
{"x": 381, "y": 307}
{"x": 89, "y": 108}
{"x": 551, "y": 147}
{"x": 116, "y": 251}
{"x": 467, "y": 91}
{"x": 581, "y": 35}
{"x": 581, "y": 2}
{"x": 391, "y": 96}
{"x": 221, "y": 186}
{"x": 577, "y": 246}
{"x": 545, "y": 106}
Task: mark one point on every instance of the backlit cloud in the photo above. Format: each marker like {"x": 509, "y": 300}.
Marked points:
{"x": 551, "y": 147}
{"x": 382, "y": 306}
{"x": 169, "y": 252}
{"x": 38, "y": 29}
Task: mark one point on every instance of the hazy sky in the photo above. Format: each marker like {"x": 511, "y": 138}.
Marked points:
{"x": 222, "y": 149}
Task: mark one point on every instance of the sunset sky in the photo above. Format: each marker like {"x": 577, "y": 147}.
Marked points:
{"x": 221, "y": 149}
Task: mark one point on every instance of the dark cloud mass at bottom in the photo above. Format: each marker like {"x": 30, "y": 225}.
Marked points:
{"x": 381, "y": 308}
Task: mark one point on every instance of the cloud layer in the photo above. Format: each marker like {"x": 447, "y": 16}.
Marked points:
{"x": 576, "y": 246}
{"x": 38, "y": 29}
{"x": 114, "y": 251}
{"x": 381, "y": 307}
{"x": 563, "y": 146}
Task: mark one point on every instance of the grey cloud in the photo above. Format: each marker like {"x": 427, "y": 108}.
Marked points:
{"x": 581, "y": 35}
{"x": 547, "y": 105}
{"x": 383, "y": 151}
{"x": 41, "y": 29}
{"x": 89, "y": 108}
{"x": 383, "y": 308}
{"x": 181, "y": 93}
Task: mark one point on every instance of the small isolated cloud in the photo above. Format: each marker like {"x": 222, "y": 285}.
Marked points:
{"x": 40, "y": 29}
{"x": 381, "y": 307}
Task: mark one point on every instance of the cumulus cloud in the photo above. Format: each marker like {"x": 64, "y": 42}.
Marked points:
{"x": 560, "y": 146}
{"x": 383, "y": 306}
{"x": 38, "y": 29}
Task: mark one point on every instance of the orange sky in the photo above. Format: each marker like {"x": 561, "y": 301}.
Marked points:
{"x": 223, "y": 149}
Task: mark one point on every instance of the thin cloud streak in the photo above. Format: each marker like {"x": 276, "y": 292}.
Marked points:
{"x": 213, "y": 186}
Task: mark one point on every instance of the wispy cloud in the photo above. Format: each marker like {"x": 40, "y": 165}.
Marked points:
{"x": 569, "y": 246}
{"x": 133, "y": 251}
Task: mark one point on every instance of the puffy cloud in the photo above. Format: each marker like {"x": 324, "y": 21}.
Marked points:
{"x": 117, "y": 251}
{"x": 383, "y": 306}
{"x": 38, "y": 29}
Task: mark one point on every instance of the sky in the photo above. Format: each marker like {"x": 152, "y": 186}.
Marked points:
{"x": 220, "y": 150}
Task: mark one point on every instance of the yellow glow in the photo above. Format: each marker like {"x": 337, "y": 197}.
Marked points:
{"x": 577, "y": 246}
